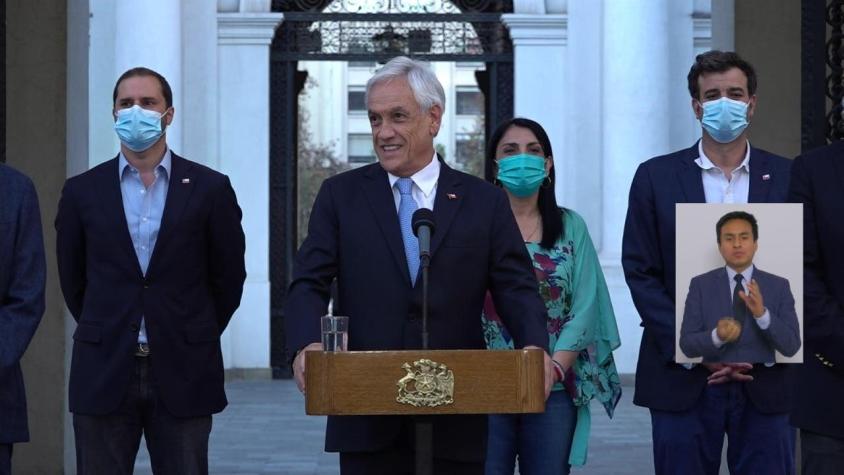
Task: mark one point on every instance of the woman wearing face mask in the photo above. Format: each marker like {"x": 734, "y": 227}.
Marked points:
{"x": 581, "y": 326}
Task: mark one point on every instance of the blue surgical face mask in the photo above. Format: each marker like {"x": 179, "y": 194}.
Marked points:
{"x": 521, "y": 174}
{"x": 724, "y": 119}
{"x": 138, "y": 128}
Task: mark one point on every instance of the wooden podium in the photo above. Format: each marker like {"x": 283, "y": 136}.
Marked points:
{"x": 424, "y": 382}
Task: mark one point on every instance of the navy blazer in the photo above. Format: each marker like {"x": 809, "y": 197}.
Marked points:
{"x": 22, "y": 278}
{"x": 191, "y": 289}
{"x": 354, "y": 235}
{"x": 816, "y": 181}
{"x": 649, "y": 267}
{"x": 710, "y": 299}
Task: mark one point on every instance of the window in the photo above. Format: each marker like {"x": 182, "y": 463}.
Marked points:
{"x": 469, "y": 101}
{"x": 362, "y": 64}
{"x": 356, "y": 101}
{"x": 468, "y": 147}
{"x": 360, "y": 148}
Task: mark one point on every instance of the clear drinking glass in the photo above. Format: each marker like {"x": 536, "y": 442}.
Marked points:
{"x": 335, "y": 333}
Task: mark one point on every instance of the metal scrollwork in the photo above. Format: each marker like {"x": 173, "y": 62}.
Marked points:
{"x": 426, "y": 384}
{"x": 835, "y": 79}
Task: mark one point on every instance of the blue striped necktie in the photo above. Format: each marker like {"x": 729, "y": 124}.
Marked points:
{"x": 407, "y": 206}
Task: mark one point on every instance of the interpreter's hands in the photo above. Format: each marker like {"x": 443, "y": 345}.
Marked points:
{"x": 728, "y": 330}
{"x": 549, "y": 370}
{"x": 299, "y": 365}
{"x": 723, "y": 372}
{"x": 753, "y": 299}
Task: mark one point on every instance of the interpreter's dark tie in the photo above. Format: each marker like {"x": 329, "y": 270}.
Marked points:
{"x": 407, "y": 206}
{"x": 739, "y": 307}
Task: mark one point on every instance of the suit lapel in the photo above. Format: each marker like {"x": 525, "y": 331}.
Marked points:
{"x": 180, "y": 186}
{"x": 688, "y": 174}
{"x": 760, "y": 177}
{"x": 446, "y": 203}
{"x": 112, "y": 203}
{"x": 376, "y": 188}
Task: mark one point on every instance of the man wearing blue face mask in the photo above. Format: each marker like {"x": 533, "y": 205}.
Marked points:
{"x": 693, "y": 406}
{"x": 151, "y": 263}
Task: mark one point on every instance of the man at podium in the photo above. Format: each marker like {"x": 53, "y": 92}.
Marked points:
{"x": 360, "y": 234}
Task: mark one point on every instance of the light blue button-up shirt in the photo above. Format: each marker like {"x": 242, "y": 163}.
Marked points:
{"x": 144, "y": 207}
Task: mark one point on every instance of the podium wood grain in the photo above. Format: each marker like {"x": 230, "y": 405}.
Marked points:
{"x": 365, "y": 382}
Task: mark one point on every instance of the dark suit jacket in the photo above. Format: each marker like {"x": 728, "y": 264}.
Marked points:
{"x": 354, "y": 235}
{"x": 22, "y": 276}
{"x": 710, "y": 299}
{"x": 649, "y": 268}
{"x": 816, "y": 182}
{"x": 192, "y": 287}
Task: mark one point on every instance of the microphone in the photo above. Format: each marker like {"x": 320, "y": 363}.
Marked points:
{"x": 423, "y": 227}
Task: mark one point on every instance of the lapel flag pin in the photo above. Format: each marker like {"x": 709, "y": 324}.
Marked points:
{"x": 185, "y": 180}
{"x": 451, "y": 196}
{"x": 766, "y": 177}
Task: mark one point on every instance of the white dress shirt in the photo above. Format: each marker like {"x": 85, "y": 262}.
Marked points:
{"x": 716, "y": 187}
{"x": 424, "y": 185}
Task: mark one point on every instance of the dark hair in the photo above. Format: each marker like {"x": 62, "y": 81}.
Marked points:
{"x": 552, "y": 220}
{"x": 737, "y": 215}
{"x": 141, "y": 71}
{"x": 718, "y": 62}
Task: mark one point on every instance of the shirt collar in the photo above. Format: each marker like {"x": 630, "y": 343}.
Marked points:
{"x": 425, "y": 179}
{"x": 705, "y": 163}
{"x": 165, "y": 165}
{"x": 748, "y": 273}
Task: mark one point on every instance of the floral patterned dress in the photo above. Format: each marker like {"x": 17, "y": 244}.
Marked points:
{"x": 580, "y": 318}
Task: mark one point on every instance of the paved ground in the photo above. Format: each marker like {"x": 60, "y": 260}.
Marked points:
{"x": 264, "y": 430}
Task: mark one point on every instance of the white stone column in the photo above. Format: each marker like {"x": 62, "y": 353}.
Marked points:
{"x": 636, "y": 111}
{"x": 539, "y": 55}
{"x": 582, "y": 179}
{"x": 636, "y": 105}
{"x": 244, "y": 140}
{"x": 149, "y": 33}
{"x": 199, "y": 80}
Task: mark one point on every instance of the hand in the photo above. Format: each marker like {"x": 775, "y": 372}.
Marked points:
{"x": 723, "y": 372}
{"x": 549, "y": 370}
{"x": 728, "y": 330}
{"x": 739, "y": 372}
{"x": 299, "y": 365}
{"x": 565, "y": 358}
{"x": 753, "y": 299}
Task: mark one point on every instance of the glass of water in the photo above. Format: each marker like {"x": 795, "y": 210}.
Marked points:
{"x": 335, "y": 333}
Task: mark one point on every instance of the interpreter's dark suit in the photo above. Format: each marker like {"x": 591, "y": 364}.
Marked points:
{"x": 22, "y": 277}
{"x": 192, "y": 287}
{"x": 818, "y": 182}
{"x": 710, "y": 299}
{"x": 354, "y": 235}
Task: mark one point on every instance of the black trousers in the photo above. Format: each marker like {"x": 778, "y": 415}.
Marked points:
{"x": 400, "y": 459}
{"x": 109, "y": 443}
{"x": 821, "y": 454}
{"x": 5, "y": 459}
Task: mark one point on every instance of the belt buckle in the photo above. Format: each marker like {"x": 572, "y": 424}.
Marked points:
{"x": 142, "y": 350}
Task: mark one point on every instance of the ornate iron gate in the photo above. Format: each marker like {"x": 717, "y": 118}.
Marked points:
{"x": 365, "y": 30}
{"x": 822, "y": 72}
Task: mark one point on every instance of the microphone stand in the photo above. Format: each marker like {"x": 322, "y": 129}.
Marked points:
{"x": 424, "y": 430}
